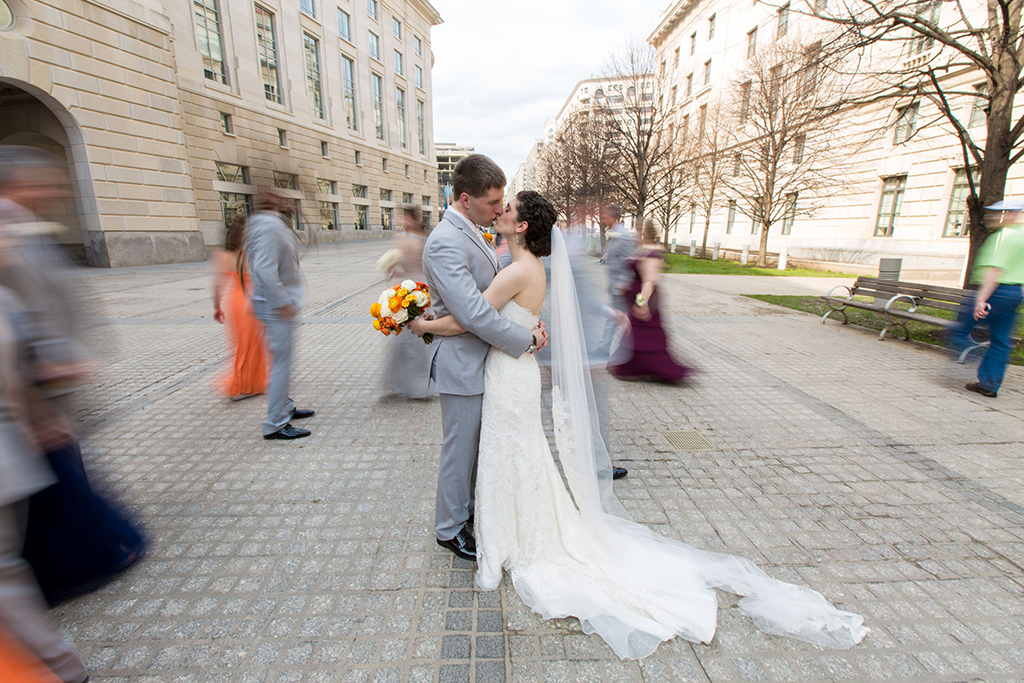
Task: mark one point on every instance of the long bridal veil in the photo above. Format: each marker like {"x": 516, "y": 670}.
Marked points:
{"x": 657, "y": 564}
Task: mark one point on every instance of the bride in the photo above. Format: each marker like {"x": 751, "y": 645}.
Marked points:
{"x": 576, "y": 552}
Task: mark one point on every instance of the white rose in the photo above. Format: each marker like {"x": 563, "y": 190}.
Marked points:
{"x": 400, "y": 316}
{"x": 421, "y": 299}
{"x": 390, "y": 293}
{"x": 408, "y": 285}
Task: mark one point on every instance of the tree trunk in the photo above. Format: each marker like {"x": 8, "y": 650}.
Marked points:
{"x": 762, "y": 252}
{"x": 707, "y": 226}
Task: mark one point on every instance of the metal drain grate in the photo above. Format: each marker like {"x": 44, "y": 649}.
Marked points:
{"x": 690, "y": 440}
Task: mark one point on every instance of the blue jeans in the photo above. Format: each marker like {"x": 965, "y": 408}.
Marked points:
{"x": 1005, "y": 301}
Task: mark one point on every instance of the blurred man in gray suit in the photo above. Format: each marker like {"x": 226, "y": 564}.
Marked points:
{"x": 459, "y": 264}
{"x": 621, "y": 245}
{"x": 276, "y": 297}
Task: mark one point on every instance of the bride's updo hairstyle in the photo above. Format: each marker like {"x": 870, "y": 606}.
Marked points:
{"x": 540, "y": 218}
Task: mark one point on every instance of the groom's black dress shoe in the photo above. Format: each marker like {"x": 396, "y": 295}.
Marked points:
{"x": 463, "y": 545}
{"x": 288, "y": 432}
{"x": 619, "y": 472}
{"x": 298, "y": 414}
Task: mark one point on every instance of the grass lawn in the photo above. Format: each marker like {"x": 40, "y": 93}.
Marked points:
{"x": 928, "y": 334}
{"x": 682, "y": 263}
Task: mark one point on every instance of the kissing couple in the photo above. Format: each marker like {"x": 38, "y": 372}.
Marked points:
{"x": 569, "y": 551}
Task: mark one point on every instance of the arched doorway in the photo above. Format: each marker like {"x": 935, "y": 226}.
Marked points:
{"x": 32, "y": 118}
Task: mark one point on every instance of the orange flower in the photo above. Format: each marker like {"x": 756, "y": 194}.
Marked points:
{"x": 394, "y": 303}
{"x": 489, "y": 237}
{"x": 375, "y": 310}
{"x": 376, "y": 324}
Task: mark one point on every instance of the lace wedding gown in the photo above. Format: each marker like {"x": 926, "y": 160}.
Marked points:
{"x": 567, "y": 557}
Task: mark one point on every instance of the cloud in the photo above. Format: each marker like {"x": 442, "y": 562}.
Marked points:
{"x": 501, "y": 69}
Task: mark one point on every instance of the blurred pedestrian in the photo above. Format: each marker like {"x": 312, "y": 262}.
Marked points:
{"x": 75, "y": 539}
{"x": 23, "y": 472}
{"x": 232, "y": 286}
{"x": 621, "y": 244}
{"x": 644, "y": 353}
{"x": 408, "y": 368}
{"x": 276, "y": 297}
{"x": 999, "y": 270}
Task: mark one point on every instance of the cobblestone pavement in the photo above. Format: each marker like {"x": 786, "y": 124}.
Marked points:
{"x": 857, "y": 467}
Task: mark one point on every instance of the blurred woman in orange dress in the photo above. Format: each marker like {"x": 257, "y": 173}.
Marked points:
{"x": 232, "y": 307}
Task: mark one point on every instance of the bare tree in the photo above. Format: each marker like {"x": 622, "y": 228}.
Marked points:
{"x": 710, "y": 147}
{"x": 948, "y": 54}
{"x": 782, "y": 138}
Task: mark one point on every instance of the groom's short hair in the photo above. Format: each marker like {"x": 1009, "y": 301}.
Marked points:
{"x": 475, "y": 175}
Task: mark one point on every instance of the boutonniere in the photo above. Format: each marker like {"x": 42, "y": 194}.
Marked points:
{"x": 489, "y": 237}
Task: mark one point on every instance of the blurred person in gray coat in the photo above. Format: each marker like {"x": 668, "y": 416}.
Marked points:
{"x": 277, "y": 289}
{"x": 459, "y": 264}
{"x": 621, "y": 245}
{"x": 23, "y": 472}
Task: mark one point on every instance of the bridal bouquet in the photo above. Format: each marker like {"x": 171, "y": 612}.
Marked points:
{"x": 398, "y": 305}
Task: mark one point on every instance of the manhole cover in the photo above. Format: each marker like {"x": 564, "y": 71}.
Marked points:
{"x": 690, "y": 440}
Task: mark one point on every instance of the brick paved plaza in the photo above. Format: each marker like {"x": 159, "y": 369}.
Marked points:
{"x": 861, "y": 469}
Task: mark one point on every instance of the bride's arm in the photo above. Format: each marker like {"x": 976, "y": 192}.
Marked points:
{"x": 505, "y": 285}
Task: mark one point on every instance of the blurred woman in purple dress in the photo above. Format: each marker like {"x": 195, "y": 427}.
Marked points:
{"x": 643, "y": 353}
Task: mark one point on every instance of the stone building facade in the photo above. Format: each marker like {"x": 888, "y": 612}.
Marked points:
{"x": 171, "y": 114}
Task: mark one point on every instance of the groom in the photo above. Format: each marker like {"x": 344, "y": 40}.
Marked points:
{"x": 459, "y": 264}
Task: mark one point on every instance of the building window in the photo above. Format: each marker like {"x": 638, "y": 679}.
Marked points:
{"x": 737, "y": 163}
{"x": 328, "y": 216}
{"x": 419, "y": 76}
{"x": 906, "y": 119}
{"x": 282, "y": 137}
{"x": 400, "y": 111}
{"x": 371, "y": 9}
{"x": 693, "y": 43}
{"x": 783, "y": 21}
{"x": 731, "y": 219}
{"x": 286, "y": 181}
{"x": 387, "y": 195}
{"x": 745, "y": 91}
{"x": 711, "y": 27}
{"x": 674, "y": 93}
{"x": 956, "y": 219}
{"x": 316, "y": 97}
{"x": 693, "y": 216}
{"x": 232, "y": 173}
{"x": 306, "y": 6}
{"x": 701, "y": 120}
{"x": 396, "y": 28}
{"x": 374, "y": 45}
{"x": 890, "y": 204}
{"x": 662, "y": 72}
{"x": 377, "y": 92}
{"x": 359, "y": 191}
{"x": 675, "y": 59}
{"x": 689, "y": 85}
{"x": 417, "y": 46}
{"x": 209, "y": 38}
{"x": 348, "y": 70}
{"x": 425, "y": 174}
{"x": 344, "y": 25}
{"x": 266, "y": 45}
{"x": 755, "y": 225}
{"x": 325, "y": 186}
{"x": 407, "y": 196}
{"x": 789, "y": 213}
{"x": 359, "y": 158}
{"x": 707, "y": 72}
{"x": 362, "y": 217}
{"x": 324, "y": 149}
{"x": 426, "y": 200}
{"x": 798, "y": 148}
{"x": 980, "y": 105}
{"x": 398, "y": 62}
{"x": 383, "y": 167}
{"x": 752, "y": 43}
{"x": 421, "y": 128}
{"x": 226, "y": 124}
{"x": 387, "y": 217}
{"x": 928, "y": 14}
{"x": 232, "y": 204}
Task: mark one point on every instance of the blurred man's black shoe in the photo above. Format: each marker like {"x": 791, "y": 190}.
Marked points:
{"x": 288, "y": 432}
{"x": 619, "y": 472}
{"x": 463, "y": 545}
{"x": 978, "y": 389}
{"x": 302, "y": 414}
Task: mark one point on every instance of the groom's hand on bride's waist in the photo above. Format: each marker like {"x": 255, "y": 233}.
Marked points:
{"x": 540, "y": 337}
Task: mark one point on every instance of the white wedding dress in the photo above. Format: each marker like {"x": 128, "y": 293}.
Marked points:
{"x": 577, "y": 553}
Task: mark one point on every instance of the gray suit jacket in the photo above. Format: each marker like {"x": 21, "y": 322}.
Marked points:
{"x": 620, "y": 247}
{"x": 273, "y": 261}
{"x": 458, "y": 270}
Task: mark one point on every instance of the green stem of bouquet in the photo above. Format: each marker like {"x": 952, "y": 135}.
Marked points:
{"x": 427, "y": 338}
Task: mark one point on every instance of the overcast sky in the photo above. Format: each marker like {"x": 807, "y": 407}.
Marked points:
{"x": 502, "y": 68}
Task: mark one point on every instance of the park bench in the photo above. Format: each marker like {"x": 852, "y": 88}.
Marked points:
{"x": 902, "y": 299}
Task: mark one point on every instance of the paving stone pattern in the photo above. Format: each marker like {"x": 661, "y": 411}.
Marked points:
{"x": 857, "y": 467}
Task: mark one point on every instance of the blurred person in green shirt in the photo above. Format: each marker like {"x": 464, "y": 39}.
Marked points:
{"x": 999, "y": 272}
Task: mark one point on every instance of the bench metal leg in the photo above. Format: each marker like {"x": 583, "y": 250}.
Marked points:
{"x": 963, "y": 356}
{"x": 846, "y": 321}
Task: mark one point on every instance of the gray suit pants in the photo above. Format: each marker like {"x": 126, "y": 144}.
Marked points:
{"x": 22, "y": 608}
{"x": 604, "y": 347}
{"x": 279, "y": 339}
{"x": 456, "y": 476}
